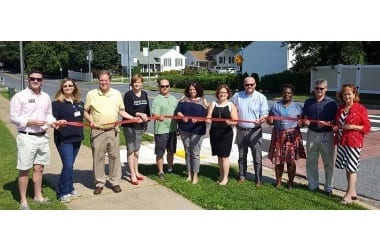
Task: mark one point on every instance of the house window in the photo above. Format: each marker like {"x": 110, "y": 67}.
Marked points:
{"x": 167, "y": 62}
{"x": 221, "y": 59}
{"x": 231, "y": 60}
{"x": 178, "y": 62}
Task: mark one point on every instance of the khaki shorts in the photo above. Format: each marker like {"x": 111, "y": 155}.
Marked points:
{"x": 32, "y": 150}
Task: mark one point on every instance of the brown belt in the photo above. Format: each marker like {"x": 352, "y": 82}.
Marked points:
{"x": 104, "y": 129}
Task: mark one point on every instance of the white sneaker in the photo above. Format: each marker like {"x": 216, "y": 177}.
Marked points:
{"x": 170, "y": 170}
{"x": 75, "y": 194}
{"x": 65, "y": 198}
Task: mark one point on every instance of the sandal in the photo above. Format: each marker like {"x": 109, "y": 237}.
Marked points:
{"x": 345, "y": 202}
{"x": 44, "y": 200}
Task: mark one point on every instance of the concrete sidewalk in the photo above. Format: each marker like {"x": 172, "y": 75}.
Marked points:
{"x": 148, "y": 194}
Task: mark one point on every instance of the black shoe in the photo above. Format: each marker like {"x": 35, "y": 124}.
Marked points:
{"x": 98, "y": 190}
{"x": 116, "y": 189}
{"x": 328, "y": 193}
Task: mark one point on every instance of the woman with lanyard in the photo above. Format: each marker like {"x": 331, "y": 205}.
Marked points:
{"x": 67, "y": 106}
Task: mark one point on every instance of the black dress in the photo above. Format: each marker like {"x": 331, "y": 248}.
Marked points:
{"x": 221, "y": 134}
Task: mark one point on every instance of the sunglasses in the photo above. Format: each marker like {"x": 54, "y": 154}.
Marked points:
{"x": 68, "y": 86}
{"x": 316, "y": 88}
{"x": 249, "y": 85}
{"x": 32, "y": 79}
{"x": 164, "y": 86}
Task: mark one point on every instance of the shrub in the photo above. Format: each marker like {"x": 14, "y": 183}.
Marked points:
{"x": 272, "y": 83}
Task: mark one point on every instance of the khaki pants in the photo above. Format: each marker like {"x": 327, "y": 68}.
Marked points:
{"x": 320, "y": 144}
{"x": 102, "y": 143}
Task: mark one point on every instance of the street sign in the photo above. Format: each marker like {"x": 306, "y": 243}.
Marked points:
{"x": 90, "y": 56}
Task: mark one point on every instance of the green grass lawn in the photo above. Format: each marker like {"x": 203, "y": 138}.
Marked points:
{"x": 206, "y": 193}
{"x": 209, "y": 195}
{"x": 9, "y": 196}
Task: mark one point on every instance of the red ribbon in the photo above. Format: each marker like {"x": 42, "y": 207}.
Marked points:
{"x": 199, "y": 118}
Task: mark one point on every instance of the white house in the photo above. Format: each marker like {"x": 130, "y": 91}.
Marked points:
{"x": 266, "y": 58}
{"x": 160, "y": 60}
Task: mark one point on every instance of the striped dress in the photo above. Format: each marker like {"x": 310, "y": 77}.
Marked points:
{"x": 347, "y": 157}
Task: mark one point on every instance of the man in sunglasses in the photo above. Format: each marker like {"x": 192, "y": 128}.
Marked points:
{"x": 31, "y": 112}
{"x": 319, "y": 114}
{"x": 252, "y": 106}
{"x": 165, "y": 130}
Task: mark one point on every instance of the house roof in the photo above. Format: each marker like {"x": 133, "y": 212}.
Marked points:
{"x": 206, "y": 54}
{"x": 200, "y": 56}
{"x": 154, "y": 56}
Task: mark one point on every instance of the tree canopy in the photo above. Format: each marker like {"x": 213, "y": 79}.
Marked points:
{"x": 311, "y": 54}
{"x": 50, "y": 56}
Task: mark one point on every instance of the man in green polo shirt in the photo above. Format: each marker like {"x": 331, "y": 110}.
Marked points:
{"x": 165, "y": 129}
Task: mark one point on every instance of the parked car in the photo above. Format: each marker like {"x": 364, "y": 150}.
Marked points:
{"x": 222, "y": 70}
{"x": 231, "y": 70}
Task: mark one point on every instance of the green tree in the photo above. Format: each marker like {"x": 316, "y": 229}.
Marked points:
{"x": 47, "y": 56}
{"x": 10, "y": 55}
{"x": 311, "y": 54}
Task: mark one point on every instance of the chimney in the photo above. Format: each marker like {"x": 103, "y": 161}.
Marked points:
{"x": 176, "y": 48}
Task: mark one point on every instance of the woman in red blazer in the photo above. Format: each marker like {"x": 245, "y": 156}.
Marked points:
{"x": 352, "y": 124}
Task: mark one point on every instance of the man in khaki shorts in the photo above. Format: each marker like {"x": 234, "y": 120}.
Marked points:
{"x": 102, "y": 109}
{"x": 31, "y": 112}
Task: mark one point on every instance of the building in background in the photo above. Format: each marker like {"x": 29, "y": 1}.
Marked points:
{"x": 161, "y": 60}
{"x": 266, "y": 58}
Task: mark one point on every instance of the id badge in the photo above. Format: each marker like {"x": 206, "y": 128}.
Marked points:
{"x": 76, "y": 113}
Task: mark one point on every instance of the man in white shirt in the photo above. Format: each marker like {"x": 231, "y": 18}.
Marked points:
{"x": 31, "y": 112}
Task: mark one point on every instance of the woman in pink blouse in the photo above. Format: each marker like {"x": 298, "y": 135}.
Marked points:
{"x": 352, "y": 124}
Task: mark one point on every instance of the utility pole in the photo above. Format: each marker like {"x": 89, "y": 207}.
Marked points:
{"x": 22, "y": 66}
{"x": 129, "y": 65}
{"x": 89, "y": 58}
{"x": 148, "y": 66}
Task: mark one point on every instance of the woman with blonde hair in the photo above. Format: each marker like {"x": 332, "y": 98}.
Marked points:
{"x": 67, "y": 106}
{"x": 136, "y": 103}
{"x": 352, "y": 124}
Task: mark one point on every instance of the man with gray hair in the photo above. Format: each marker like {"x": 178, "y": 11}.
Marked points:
{"x": 319, "y": 113}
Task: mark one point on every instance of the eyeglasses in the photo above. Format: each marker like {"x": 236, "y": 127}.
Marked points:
{"x": 32, "y": 79}
{"x": 68, "y": 86}
{"x": 249, "y": 84}
{"x": 164, "y": 86}
{"x": 317, "y": 88}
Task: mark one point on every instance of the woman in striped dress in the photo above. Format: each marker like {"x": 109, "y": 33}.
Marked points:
{"x": 352, "y": 125}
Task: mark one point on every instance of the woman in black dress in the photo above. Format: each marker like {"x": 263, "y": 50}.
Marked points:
{"x": 221, "y": 132}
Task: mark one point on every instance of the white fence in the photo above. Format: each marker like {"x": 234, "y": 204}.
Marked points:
{"x": 79, "y": 76}
{"x": 365, "y": 77}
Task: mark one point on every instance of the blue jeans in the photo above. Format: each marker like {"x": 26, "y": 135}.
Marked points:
{"x": 68, "y": 153}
